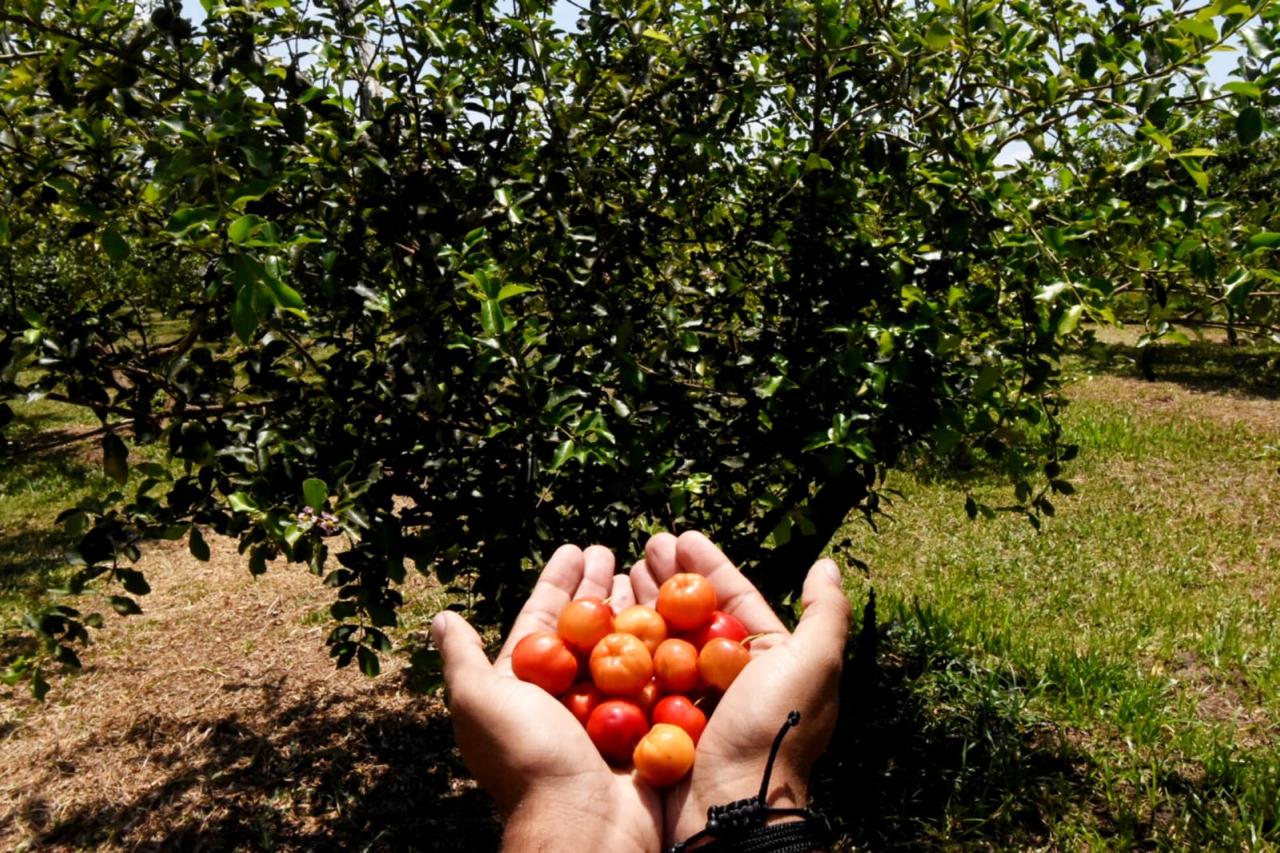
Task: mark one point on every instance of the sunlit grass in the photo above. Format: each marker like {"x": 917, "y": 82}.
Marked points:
{"x": 34, "y": 488}
{"x": 1142, "y": 620}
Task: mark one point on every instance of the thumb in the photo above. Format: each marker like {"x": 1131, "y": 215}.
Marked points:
{"x": 461, "y": 650}
{"x": 824, "y": 625}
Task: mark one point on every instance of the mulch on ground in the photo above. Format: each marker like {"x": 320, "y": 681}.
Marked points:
{"x": 216, "y": 720}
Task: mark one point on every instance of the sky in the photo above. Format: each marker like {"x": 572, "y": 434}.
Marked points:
{"x": 1221, "y": 66}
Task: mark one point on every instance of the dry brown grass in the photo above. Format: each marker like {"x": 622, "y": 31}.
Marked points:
{"x": 1226, "y": 406}
{"x": 216, "y": 720}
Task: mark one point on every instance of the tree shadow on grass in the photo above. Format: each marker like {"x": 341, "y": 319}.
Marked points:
{"x": 933, "y": 751}
{"x": 313, "y": 774}
{"x": 1199, "y": 365}
{"x": 27, "y": 557}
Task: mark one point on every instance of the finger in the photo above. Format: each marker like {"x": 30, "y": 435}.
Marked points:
{"x": 823, "y": 629}
{"x": 622, "y": 596}
{"x": 554, "y": 589}
{"x": 466, "y": 666}
{"x": 597, "y": 573}
{"x": 737, "y": 595}
{"x": 643, "y": 584}
{"x": 660, "y": 556}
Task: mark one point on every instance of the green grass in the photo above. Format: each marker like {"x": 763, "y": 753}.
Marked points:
{"x": 1132, "y": 647}
{"x": 34, "y": 488}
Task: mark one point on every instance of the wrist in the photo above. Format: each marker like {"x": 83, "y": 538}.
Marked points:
{"x": 561, "y": 820}
{"x": 786, "y": 791}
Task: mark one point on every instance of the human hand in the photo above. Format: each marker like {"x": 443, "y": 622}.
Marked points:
{"x": 524, "y": 747}
{"x": 788, "y": 671}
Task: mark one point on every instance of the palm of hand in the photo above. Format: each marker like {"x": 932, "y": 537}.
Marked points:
{"x": 534, "y": 757}
{"x": 525, "y": 747}
{"x": 786, "y": 672}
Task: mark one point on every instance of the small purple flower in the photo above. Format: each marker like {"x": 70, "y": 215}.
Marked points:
{"x": 329, "y": 525}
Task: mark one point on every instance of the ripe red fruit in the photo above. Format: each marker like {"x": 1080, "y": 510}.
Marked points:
{"x": 664, "y": 755}
{"x": 582, "y": 699}
{"x": 615, "y": 727}
{"x": 621, "y": 665}
{"x": 722, "y": 625}
{"x": 686, "y": 600}
{"x": 720, "y": 661}
{"x": 543, "y": 659}
{"x": 643, "y": 622}
{"x": 649, "y": 696}
{"x": 583, "y": 623}
{"x": 675, "y": 664}
{"x": 680, "y": 711}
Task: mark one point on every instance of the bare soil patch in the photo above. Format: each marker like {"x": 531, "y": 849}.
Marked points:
{"x": 217, "y": 721}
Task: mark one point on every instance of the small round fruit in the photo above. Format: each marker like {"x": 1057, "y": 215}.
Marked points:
{"x": 649, "y": 696}
{"x": 686, "y": 600}
{"x": 680, "y": 711}
{"x": 722, "y": 625}
{"x": 615, "y": 727}
{"x": 583, "y": 623}
{"x": 643, "y": 622}
{"x": 582, "y": 699}
{"x": 675, "y": 664}
{"x": 543, "y": 659}
{"x": 720, "y": 661}
{"x": 621, "y": 665}
{"x": 664, "y": 755}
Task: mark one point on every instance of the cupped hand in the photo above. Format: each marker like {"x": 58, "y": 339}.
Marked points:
{"x": 788, "y": 671}
{"x": 524, "y": 747}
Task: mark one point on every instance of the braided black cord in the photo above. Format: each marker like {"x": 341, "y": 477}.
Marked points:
{"x": 743, "y": 821}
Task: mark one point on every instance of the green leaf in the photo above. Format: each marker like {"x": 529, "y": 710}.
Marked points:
{"x": 938, "y": 35}
{"x": 115, "y": 458}
{"x": 814, "y": 163}
{"x": 241, "y": 502}
{"x": 283, "y": 295}
{"x": 1264, "y": 240}
{"x": 244, "y": 317}
{"x": 986, "y": 380}
{"x": 651, "y": 33}
{"x": 1249, "y": 125}
{"x": 1196, "y": 172}
{"x": 315, "y": 493}
{"x": 1202, "y": 29}
{"x": 510, "y": 290}
{"x": 368, "y": 662}
{"x": 185, "y": 219}
{"x": 1070, "y": 319}
{"x": 563, "y": 451}
{"x": 239, "y": 230}
{"x": 114, "y": 245}
{"x": 133, "y": 581}
{"x": 1243, "y": 88}
{"x": 199, "y": 548}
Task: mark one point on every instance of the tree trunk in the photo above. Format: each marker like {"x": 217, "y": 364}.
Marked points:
{"x": 782, "y": 570}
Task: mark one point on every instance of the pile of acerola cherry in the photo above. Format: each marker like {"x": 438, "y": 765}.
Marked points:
{"x": 653, "y": 671}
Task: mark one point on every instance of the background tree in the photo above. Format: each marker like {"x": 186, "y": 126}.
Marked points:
{"x": 464, "y": 286}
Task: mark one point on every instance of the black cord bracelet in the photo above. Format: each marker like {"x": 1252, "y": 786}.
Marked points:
{"x": 741, "y": 826}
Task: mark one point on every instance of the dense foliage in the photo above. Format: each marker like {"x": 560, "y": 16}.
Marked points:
{"x": 456, "y": 285}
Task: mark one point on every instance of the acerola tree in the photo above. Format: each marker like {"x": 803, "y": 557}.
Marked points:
{"x": 465, "y": 286}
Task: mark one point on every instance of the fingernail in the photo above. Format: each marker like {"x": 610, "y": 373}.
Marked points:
{"x": 438, "y": 625}
{"x": 833, "y": 571}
